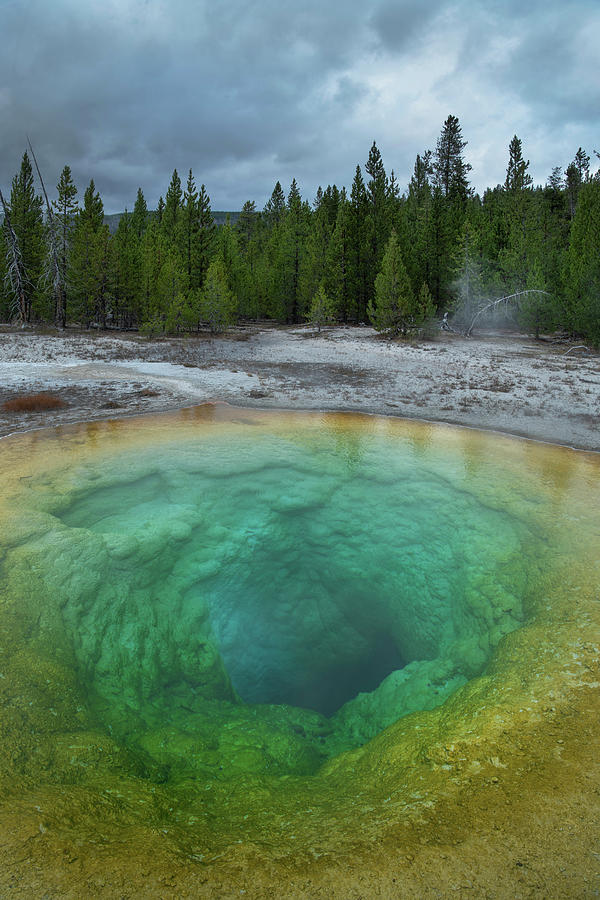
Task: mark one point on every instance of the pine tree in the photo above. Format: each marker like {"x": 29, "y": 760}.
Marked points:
{"x": 537, "y": 312}
{"x": 393, "y": 188}
{"x": 582, "y": 164}
{"x": 438, "y": 240}
{"x": 154, "y": 249}
{"x": 377, "y": 196}
{"x": 217, "y": 303}
{"x": 468, "y": 271}
{"x": 93, "y": 209}
{"x": 337, "y": 266}
{"x": 555, "y": 179}
{"x": 275, "y": 207}
{"x": 448, "y": 207}
{"x": 394, "y": 308}
{"x": 139, "y": 216}
{"x": 172, "y": 211}
{"x": 127, "y": 274}
{"x": 519, "y": 212}
{"x": 290, "y": 250}
{"x": 204, "y": 247}
{"x": 449, "y": 168}
{"x": 425, "y": 305}
{"x": 577, "y": 173}
{"x": 190, "y": 228}
{"x": 360, "y": 282}
{"x": 66, "y": 208}
{"x": 250, "y": 229}
{"x": 247, "y": 223}
{"x": 420, "y": 185}
{"x": 321, "y": 310}
{"x": 424, "y": 317}
{"x": 170, "y": 295}
{"x": 270, "y": 282}
{"x": 417, "y": 219}
{"x": 314, "y": 260}
{"x": 493, "y": 238}
{"x": 89, "y": 259}
{"x": 517, "y": 177}
{"x": 27, "y": 222}
{"x": 331, "y": 202}
{"x": 229, "y": 252}
{"x": 104, "y": 309}
{"x": 554, "y": 224}
{"x": 583, "y": 280}
{"x": 395, "y": 215}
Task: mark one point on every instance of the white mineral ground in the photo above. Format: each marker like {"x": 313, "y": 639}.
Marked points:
{"x": 499, "y": 381}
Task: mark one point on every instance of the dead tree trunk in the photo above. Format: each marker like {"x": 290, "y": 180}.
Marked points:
{"x": 494, "y": 303}
{"x": 56, "y": 273}
{"x": 14, "y": 276}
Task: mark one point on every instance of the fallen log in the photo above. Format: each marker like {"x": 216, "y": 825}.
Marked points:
{"x": 494, "y": 303}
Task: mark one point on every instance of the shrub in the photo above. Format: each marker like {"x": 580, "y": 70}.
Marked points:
{"x": 321, "y": 309}
{"x": 153, "y": 327}
{"x": 33, "y": 403}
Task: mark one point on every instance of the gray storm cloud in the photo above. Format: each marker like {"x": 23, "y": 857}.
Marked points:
{"x": 124, "y": 90}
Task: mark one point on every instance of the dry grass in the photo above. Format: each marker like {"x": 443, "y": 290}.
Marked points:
{"x": 33, "y": 403}
{"x": 495, "y": 384}
{"x": 256, "y": 395}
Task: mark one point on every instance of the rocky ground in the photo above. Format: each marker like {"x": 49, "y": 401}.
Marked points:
{"x": 542, "y": 390}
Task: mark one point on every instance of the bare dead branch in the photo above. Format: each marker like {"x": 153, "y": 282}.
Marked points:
{"x": 55, "y": 274}
{"x": 494, "y": 303}
{"x": 446, "y": 326}
{"x": 578, "y": 347}
{"x": 15, "y": 280}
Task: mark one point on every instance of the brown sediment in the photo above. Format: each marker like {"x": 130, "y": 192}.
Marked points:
{"x": 494, "y": 794}
{"x": 32, "y": 403}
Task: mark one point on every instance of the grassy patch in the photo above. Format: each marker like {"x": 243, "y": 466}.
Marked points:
{"x": 33, "y": 403}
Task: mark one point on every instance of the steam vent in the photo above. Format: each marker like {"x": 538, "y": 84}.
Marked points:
{"x": 297, "y": 655}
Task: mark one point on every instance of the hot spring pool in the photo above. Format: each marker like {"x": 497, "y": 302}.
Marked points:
{"x": 222, "y": 604}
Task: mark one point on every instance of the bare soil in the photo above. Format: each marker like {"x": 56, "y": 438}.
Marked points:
{"x": 500, "y": 381}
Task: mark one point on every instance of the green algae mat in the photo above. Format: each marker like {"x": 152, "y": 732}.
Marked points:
{"x": 236, "y": 645}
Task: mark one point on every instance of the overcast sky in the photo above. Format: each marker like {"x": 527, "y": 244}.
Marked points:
{"x": 248, "y": 92}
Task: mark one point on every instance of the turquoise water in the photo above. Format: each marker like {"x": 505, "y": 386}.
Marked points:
{"x": 269, "y": 599}
{"x": 200, "y": 611}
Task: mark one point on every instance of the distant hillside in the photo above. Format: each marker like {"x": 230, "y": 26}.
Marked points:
{"x": 219, "y": 216}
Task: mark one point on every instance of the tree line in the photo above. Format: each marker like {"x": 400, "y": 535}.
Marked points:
{"x": 376, "y": 254}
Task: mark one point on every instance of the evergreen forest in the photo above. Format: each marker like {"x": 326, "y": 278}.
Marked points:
{"x": 376, "y": 254}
